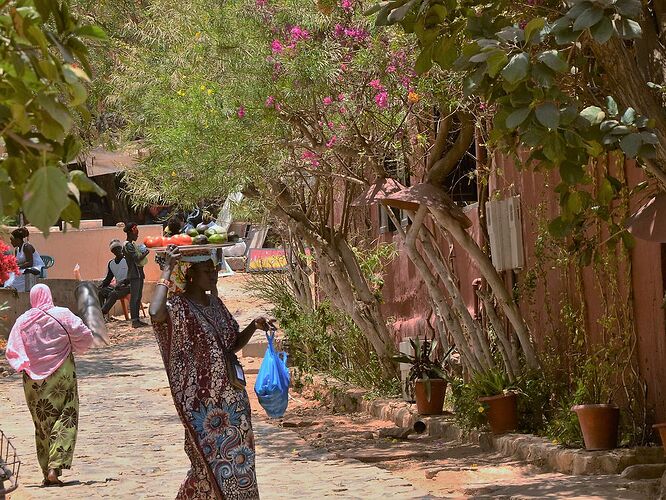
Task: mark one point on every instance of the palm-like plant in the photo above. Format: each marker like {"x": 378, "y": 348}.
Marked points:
{"x": 425, "y": 364}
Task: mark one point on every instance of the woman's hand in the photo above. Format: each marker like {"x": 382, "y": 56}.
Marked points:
{"x": 171, "y": 257}
{"x": 265, "y": 324}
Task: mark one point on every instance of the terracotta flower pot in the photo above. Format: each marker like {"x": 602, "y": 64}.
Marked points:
{"x": 437, "y": 392}
{"x": 599, "y": 424}
{"x": 662, "y": 433}
{"x": 502, "y": 412}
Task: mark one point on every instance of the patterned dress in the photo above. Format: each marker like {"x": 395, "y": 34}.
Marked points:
{"x": 54, "y": 406}
{"x": 218, "y": 431}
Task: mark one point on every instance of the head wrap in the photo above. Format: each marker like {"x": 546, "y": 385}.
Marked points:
{"x": 43, "y": 337}
{"x": 115, "y": 244}
{"x": 179, "y": 275}
{"x": 131, "y": 227}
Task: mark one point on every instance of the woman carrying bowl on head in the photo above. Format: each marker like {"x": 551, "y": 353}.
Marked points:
{"x": 198, "y": 338}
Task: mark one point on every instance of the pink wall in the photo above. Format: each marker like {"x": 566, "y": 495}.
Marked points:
{"x": 89, "y": 248}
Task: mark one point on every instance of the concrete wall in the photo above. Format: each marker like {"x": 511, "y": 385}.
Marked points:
{"x": 63, "y": 296}
{"x": 88, "y": 247}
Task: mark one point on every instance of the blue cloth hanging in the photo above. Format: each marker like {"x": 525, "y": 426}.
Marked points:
{"x": 272, "y": 384}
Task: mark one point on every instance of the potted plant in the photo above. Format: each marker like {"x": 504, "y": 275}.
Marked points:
{"x": 499, "y": 398}
{"x": 427, "y": 378}
{"x": 598, "y": 417}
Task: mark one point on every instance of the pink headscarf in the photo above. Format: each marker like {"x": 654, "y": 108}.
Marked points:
{"x": 43, "y": 337}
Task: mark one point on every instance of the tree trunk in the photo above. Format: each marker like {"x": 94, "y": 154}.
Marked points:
{"x": 488, "y": 271}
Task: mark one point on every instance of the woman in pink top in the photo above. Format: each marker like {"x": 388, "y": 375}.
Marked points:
{"x": 41, "y": 345}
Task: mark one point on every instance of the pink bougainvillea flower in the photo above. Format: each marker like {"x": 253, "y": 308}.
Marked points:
{"x": 241, "y": 112}
{"x": 343, "y": 110}
{"x": 330, "y": 125}
{"x": 343, "y": 67}
{"x": 270, "y": 101}
{"x": 276, "y": 46}
{"x": 332, "y": 142}
{"x": 382, "y": 99}
{"x": 376, "y": 84}
{"x": 341, "y": 97}
{"x": 328, "y": 101}
{"x": 390, "y": 68}
{"x": 346, "y": 5}
{"x": 338, "y": 30}
{"x": 261, "y": 3}
{"x": 297, "y": 33}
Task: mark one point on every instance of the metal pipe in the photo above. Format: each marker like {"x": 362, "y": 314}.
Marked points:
{"x": 419, "y": 426}
{"x": 91, "y": 313}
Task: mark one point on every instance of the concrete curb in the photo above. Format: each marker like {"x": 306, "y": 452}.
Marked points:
{"x": 527, "y": 447}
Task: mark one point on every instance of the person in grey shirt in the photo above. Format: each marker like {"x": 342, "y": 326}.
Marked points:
{"x": 136, "y": 257}
{"x": 115, "y": 269}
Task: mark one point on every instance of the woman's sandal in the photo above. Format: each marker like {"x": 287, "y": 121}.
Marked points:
{"x": 52, "y": 482}
{"x": 46, "y": 483}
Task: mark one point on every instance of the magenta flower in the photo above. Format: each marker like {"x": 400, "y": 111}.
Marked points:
{"x": 261, "y": 3}
{"x": 270, "y": 101}
{"x": 346, "y": 5}
{"x": 276, "y": 46}
{"x": 376, "y": 84}
{"x": 341, "y": 97}
{"x": 331, "y": 142}
{"x": 390, "y": 68}
{"x": 382, "y": 99}
{"x": 297, "y": 33}
{"x": 241, "y": 112}
{"x": 338, "y": 30}
{"x": 328, "y": 101}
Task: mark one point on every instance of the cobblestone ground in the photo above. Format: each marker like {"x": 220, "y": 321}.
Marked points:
{"x": 130, "y": 443}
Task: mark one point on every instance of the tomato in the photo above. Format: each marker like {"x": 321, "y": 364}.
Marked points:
{"x": 184, "y": 239}
{"x": 152, "y": 241}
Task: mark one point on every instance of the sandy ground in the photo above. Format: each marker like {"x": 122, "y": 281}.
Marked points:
{"x": 130, "y": 440}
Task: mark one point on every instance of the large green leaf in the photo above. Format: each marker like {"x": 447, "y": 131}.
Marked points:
{"x": 548, "y": 115}
{"x": 91, "y": 31}
{"x": 517, "y": 68}
{"x": 628, "y": 8}
{"x": 533, "y": 28}
{"x": 588, "y": 18}
{"x": 553, "y": 60}
{"x": 45, "y": 197}
{"x": 84, "y": 183}
{"x": 424, "y": 61}
{"x": 445, "y": 52}
{"x": 495, "y": 62}
{"x": 630, "y": 144}
{"x": 603, "y": 30}
{"x": 516, "y": 118}
{"x": 592, "y": 115}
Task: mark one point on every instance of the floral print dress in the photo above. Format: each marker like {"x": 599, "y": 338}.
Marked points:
{"x": 54, "y": 406}
{"x": 218, "y": 431}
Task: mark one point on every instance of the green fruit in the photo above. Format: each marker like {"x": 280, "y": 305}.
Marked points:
{"x": 193, "y": 232}
{"x": 210, "y": 232}
{"x": 201, "y": 228}
{"x": 200, "y": 240}
{"x": 217, "y": 238}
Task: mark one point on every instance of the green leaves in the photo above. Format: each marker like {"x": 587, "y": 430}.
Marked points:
{"x": 548, "y": 115}
{"x": 517, "y": 68}
{"x": 588, "y": 18}
{"x": 592, "y": 115}
{"x": 46, "y": 196}
{"x": 516, "y": 118}
{"x": 553, "y": 60}
{"x": 43, "y": 98}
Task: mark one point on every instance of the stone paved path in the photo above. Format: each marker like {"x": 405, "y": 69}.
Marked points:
{"x": 130, "y": 443}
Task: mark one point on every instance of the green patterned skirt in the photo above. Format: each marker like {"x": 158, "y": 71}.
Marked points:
{"x": 54, "y": 406}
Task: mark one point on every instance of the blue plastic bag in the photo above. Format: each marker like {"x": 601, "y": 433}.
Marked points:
{"x": 272, "y": 385}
